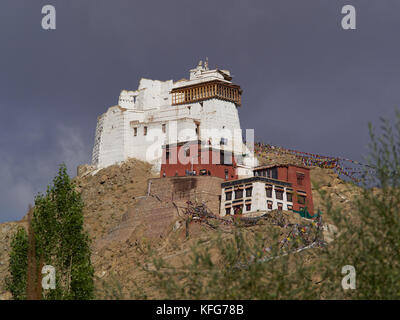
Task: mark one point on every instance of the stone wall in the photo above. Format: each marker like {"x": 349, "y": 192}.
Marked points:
{"x": 155, "y": 215}
{"x": 181, "y": 189}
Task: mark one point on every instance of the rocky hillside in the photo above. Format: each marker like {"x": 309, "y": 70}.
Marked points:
{"x": 116, "y": 202}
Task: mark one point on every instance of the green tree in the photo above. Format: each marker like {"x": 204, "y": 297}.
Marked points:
{"x": 61, "y": 240}
{"x": 369, "y": 237}
{"x": 16, "y": 283}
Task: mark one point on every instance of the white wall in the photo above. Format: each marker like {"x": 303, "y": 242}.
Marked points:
{"x": 258, "y": 199}
{"x": 150, "y": 106}
{"x": 111, "y": 142}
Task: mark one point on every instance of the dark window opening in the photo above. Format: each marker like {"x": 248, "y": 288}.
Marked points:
{"x": 164, "y": 128}
{"x": 289, "y": 197}
{"x": 269, "y": 192}
{"x": 238, "y": 194}
{"x": 274, "y": 173}
{"x": 145, "y": 131}
{"x": 228, "y": 195}
{"x": 238, "y": 209}
{"x": 249, "y": 192}
{"x": 279, "y": 194}
{"x": 301, "y": 199}
{"x": 227, "y": 211}
{"x": 248, "y": 207}
{"x": 135, "y": 132}
{"x": 300, "y": 178}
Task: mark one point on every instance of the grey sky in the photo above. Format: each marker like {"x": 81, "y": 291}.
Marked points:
{"x": 308, "y": 84}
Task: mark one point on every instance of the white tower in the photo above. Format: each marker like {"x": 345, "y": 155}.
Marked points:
{"x": 164, "y": 112}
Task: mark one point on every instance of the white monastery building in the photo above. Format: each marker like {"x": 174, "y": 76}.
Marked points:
{"x": 256, "y": 194}
{"x": 203, "y": 107}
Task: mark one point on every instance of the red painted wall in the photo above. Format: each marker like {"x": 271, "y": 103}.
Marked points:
{"x": 199, "y": 159}
{"x": 289, "y": 174}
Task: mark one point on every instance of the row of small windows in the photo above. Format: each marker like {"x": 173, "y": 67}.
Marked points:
{"x": 273, "y": 173}
{"x": 269, "y": 173}
{"x": 135, "y": 130}
{"x": 238, "y": 194}
{"x": 238, "y": 209}
{"x": 164, "y": 130}
{"x": 301, "y": 199}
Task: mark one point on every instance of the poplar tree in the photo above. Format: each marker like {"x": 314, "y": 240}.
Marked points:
{"x": 16, "y": 283}
{"x": 61, "y": 241}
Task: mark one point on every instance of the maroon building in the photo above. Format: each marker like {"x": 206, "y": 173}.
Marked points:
{"x": 297, "y": 176}
{"x": 194, "y": 158}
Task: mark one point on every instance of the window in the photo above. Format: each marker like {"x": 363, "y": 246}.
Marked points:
{"x": 238, "y": 194}
{"x": 238, "y": 209}
{"x": 226, "y": 174}
{"x": 249, "y": 192}
{"x": 268, "y": 191}
{"x": 301, "y": 199}
{"x": 223, "y": 141}
{"x": 145, "y": 131}
{"x": 187, "y": 152}
{"x": 274, "y": 173}
{"x": 135, "y": 132}
{"x": 164, "y": 128}
{"x": 167, "y": 155}
{"x": 222, "y": 157}
{"x": 290, "y": 207}
{"x": 289, "y": 197}
{"x": 228, "y": 195}
{"x": 227, "y": 211}
{"x": 300, "y": 178}
{"x": 248, "y": 207}
{"x": 197, "y": 129}
{"x": 280, "y": 206}
{"x": 269, "y": 205}
{"x": 279, "y": 194}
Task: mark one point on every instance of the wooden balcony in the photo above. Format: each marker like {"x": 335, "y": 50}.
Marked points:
{"x": 207, "y": 90}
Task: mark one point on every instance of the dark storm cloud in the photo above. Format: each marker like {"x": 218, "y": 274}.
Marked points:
{"x": 307, "y": 83}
